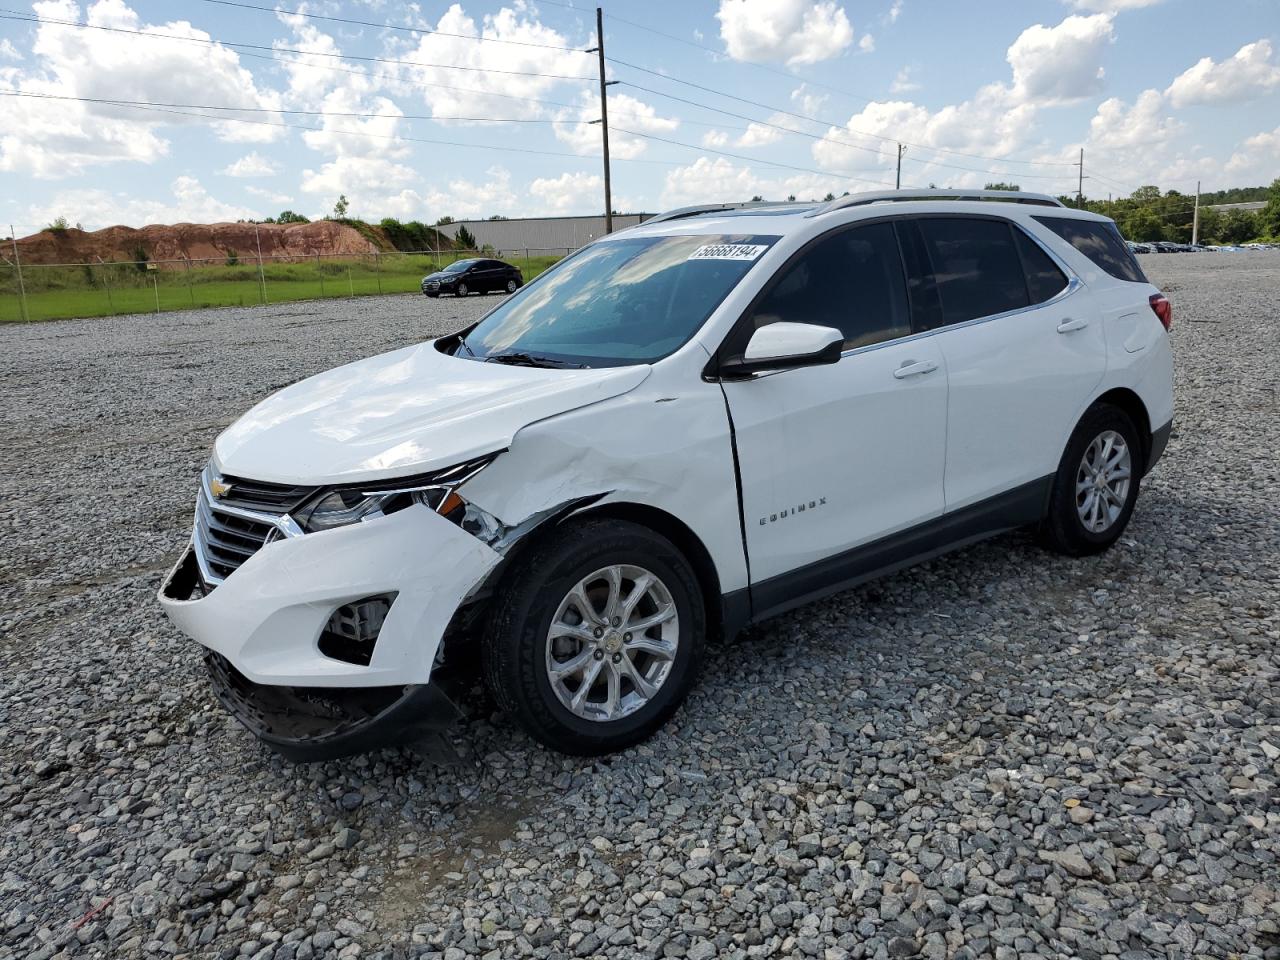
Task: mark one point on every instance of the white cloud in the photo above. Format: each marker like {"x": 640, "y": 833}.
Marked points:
{"x": 719, "y": 180}
{"x": 8, "y": 51}
{"x": 903, "y": 83}
{"x": 1250, "y": 73}
{"x": 251, "y": 165}
{"x": 568, "y": 193}
{"x": 270, "y": 195}
{"x": 715, "y": 138}
{"x": 626, "y": 113}
{"x": 794, "y": 31}
{"x": 991, "y": 123}
{"x": 1254, "y": 160}
{"x": 1117, "y": 126}
{"x": 53, "y": 138}
{"x": 867, "y": 44}
{"x": 1112, "y": 6}
{"x": 190, "y": 203}
{"x": 709, "y": 181}
{"x": 807, "y": 101}
{"x": 895, "y": 11}
{"x": 354, "y": 92}
{"x": 759, "y": 134}
{"x": 1063, "y": 63}
{"x": 487, "y": 90}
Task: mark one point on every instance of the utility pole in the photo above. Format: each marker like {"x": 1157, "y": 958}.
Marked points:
{"x": 897, "y": 183}
{"x": 604, "y": 120}
{"x": 1195, "y": 218}
{"x": 1080, "y": 187}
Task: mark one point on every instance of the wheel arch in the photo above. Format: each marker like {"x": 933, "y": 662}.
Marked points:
{"x": 684, "y": 539}
{"x": 723, "y": 617}
{"x": 1128, "y": 401}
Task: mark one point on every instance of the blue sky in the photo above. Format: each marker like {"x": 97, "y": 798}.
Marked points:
{"x": 715, "y": 101}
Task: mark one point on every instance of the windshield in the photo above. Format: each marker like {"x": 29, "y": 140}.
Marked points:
{"x": 617, "y": 302}
{"x": 458, "y": 266}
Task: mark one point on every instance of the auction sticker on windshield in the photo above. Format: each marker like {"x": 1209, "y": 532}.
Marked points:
{"x": 728, "y": 251}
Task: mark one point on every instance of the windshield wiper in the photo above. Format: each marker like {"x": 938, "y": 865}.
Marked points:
{"x": 517, "y": 359}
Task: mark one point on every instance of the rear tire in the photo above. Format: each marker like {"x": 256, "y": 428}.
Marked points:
{"x": 542, "y": 649}
{"x": 512, "y": 286}
{"x": 1096, "y": 486}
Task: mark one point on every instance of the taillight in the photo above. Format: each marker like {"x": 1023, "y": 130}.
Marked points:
{"x": 1163, "y": 308}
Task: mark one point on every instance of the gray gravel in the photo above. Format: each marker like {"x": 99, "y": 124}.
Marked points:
{"x": 1000, "y": 753}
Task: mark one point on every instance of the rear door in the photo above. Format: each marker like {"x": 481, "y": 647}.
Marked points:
{"x": 834, "y": 457}
{"x": 1024, "y": 351}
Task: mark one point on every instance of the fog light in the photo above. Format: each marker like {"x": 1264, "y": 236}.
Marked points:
{"x": 352, "y": 630}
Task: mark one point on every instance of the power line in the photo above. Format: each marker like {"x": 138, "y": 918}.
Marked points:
{"x": 351, "y": 133}
{"x": 821, "y": 122}
{"x": 876, "y": 151}
{"x": 405, "y": 28}
{"x": 777, "y": 72}
{"x": 107, "y": 101}
{"x": 306, "y": 53}
{"x": 755, "y": 161}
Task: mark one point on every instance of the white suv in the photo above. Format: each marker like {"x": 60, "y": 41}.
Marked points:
{"x": 683, "y": 428}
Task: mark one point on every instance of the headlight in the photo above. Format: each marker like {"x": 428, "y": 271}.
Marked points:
{"x": 340, "y": 506}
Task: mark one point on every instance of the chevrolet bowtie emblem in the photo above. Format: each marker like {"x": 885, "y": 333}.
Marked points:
{"x": 219, "y": 487}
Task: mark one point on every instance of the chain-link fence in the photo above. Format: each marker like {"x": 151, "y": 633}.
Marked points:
{"x": 104, "y": 288}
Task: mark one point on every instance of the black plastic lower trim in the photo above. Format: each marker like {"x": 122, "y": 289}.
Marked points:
{"x": 324, "y": 723}
{"x": 1019, "y": 507}
{"x": 1159, "y": 440}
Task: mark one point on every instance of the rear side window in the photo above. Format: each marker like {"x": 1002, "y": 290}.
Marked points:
{"x": 1101, "y": 242}
{"x": 975, "y": 265}
{"x": 1044, "y": 279}
{"x": 851, "y": 280}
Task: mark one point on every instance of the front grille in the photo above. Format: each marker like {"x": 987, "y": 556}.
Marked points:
{"x": 232, "y": 528}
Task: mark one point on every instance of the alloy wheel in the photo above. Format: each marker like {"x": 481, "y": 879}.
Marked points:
{"x": 612, "y": 642}
{"x": 1102, "y": 481}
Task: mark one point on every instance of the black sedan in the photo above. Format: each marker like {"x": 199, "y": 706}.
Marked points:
{"x": 473, "y": 276}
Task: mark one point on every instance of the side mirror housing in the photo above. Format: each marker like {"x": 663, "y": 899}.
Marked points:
{"x": 782, "y": 345}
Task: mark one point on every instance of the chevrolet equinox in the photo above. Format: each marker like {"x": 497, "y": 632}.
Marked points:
{"x": 681, "y": 429}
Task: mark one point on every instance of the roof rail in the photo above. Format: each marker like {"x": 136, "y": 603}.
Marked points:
{"x": 893, "y": 196}
{"x": 698, "y": 209}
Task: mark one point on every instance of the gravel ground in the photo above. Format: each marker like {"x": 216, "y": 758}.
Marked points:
{"x": 1000, "y": 753}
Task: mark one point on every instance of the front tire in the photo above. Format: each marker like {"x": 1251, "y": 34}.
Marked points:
{"x": 463, "y": 290}
{"x": 598, "y": 639}
{"x": 1096, "y": 486}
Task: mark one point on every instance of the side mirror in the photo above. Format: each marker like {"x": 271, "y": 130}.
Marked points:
{"x": 782, "y": 345}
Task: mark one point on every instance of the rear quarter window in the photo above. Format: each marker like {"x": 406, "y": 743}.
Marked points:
{"x": 1101, "y": 242}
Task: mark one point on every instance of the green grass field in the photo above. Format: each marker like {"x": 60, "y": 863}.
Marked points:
{"x": 54, "y": 293}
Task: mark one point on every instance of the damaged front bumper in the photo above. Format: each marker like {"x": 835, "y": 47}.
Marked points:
{"x": 267, "y": 628}
{"x": 324, "y": 723}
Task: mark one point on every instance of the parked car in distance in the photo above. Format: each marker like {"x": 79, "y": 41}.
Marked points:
{"x": 682, "y": 429}
{"x": 1138, "y": 247}
{"x": 464, "y": 277}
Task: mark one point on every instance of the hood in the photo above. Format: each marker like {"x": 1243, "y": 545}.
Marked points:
{"x": 441, "y": 275}
{"x": 401, "y": 413}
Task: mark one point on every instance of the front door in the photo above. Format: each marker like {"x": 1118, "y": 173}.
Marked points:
{"x": 835, "y": 457}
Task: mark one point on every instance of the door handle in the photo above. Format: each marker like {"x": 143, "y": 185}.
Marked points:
{"x": 1067, "y": 326}
{"x": 914, "y": 368}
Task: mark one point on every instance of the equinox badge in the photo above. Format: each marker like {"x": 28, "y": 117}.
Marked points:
{"x": 792, "y": 511}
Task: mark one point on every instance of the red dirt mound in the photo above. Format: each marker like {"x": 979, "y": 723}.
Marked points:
{"x": 195, "y": 241}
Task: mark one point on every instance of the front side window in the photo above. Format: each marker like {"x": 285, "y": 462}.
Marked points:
{"x": 851, "y": 280}
{"x": 975, "y": 265}
{"x": 459, "y": 266}
{"x": 1100, "y": 241}
{"x": 617, "y": 302}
